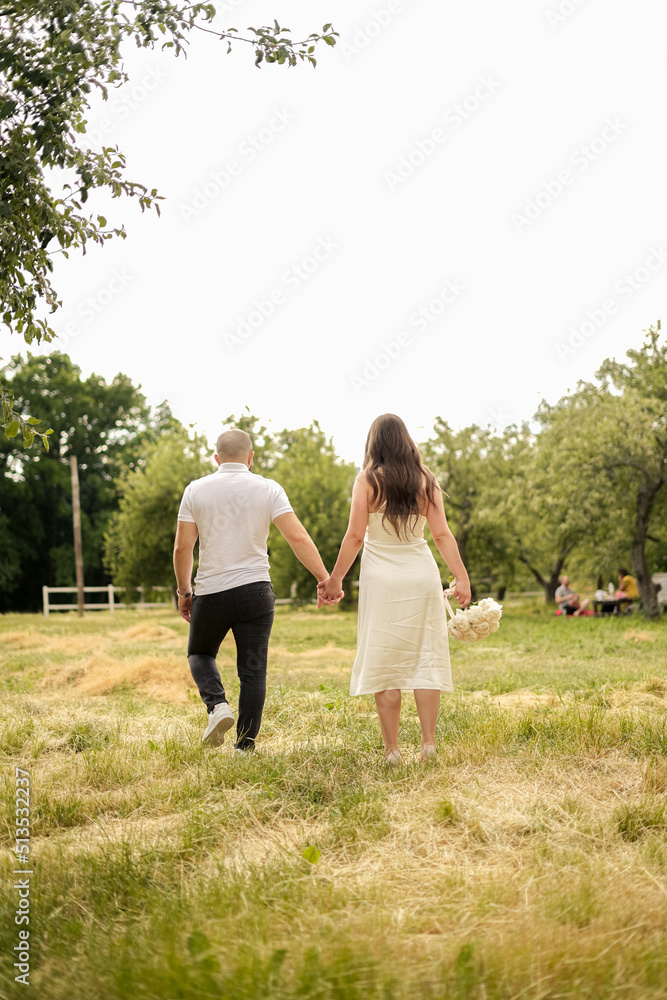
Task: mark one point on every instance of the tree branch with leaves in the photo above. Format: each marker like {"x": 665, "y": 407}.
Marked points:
{"x": 53, "y": 56}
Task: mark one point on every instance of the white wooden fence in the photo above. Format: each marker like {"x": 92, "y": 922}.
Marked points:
{"x": 108, "y": 605}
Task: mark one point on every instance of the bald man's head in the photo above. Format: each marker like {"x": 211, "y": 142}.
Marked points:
{"x": 233, "y": 446}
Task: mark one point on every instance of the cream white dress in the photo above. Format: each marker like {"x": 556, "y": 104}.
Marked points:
{"x": 402, "y": 639}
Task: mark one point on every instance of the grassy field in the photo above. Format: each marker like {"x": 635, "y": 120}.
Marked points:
{"x": 528, "y": 862}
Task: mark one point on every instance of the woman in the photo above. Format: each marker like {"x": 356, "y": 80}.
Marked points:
{"x": 402, "y": 641}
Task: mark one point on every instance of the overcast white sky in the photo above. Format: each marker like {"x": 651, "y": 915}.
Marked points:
{"x": 425, "y": 219}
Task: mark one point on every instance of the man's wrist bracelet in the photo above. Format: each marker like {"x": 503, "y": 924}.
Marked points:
{"x": 189, "y": 594}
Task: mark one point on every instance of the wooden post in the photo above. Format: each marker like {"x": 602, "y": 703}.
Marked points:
{"x": 112, "y": 602}
{"x": 78, "y": 551}
{"x": 45, "y": 599}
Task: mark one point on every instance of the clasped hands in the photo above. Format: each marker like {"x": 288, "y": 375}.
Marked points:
{"x": 329, "y": 591}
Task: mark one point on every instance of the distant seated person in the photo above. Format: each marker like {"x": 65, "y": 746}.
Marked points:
{"x": 627, "y": 589}
{"x": 567, "y": 600}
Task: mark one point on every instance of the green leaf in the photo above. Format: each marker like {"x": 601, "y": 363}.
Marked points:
{"x": 82, "y": 54}
{"x": 12, "y": 429}
{"x": 312, "y": 855}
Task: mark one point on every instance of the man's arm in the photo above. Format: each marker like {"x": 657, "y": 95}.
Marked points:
{"x": 301, "y": 544}
{"x": 184, "y": 544}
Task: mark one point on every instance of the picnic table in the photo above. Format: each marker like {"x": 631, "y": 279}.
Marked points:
{"x": 609, "y": 605}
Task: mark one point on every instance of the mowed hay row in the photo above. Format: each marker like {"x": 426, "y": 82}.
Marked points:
{"x": 165, "y": 677}
{"x": 650, "y": 692}
{"x": 17, "y": 640}
{"x": 147, "y": 632}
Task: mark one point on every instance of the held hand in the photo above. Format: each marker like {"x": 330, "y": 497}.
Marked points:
{"x": 462, "y": 592}
{"x": 185, "y": 607}
{"x": 321, "y": 599}
{"x": 329, "y": 592}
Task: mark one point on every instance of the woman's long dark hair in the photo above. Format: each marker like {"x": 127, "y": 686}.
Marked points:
{"x": 396, "y": 474}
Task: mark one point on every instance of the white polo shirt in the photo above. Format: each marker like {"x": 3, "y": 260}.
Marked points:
{"x": 233, "y": 509}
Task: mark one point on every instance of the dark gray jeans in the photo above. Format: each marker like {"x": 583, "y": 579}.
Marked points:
{"x": 248, "y": 612}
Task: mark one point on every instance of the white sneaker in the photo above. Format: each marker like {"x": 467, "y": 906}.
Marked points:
{"x": 219, "y": 721}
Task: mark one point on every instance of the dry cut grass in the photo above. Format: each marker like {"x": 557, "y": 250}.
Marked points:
{"x": 529, "y": 861}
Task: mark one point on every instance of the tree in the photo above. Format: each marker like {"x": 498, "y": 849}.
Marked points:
{"x": 150, "y": 496}
{"x": 620, "y": 448}
{"x": 549, "y": 505}
{"x": 473, "y": 465}
{"x": 107, "y": 426}
{"x": 319, "y": 486}
{"x": 304, "y": 462}
{"x": 13, "y": 422}
{"x": 264, "y": 442}
{"x": 52, "y": 57}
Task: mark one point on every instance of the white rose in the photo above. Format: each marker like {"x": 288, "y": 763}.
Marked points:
{"x": 454, "y": 632}
{"x": 481, "y": 628}
{"x": 487, "y": 603}
{"x": 461, "y": 622}
{"x": 470, "y": 636}
{"x": 494, "y": 626}
{"x": 492, "y": 615}
{"x": 474, "y": 614}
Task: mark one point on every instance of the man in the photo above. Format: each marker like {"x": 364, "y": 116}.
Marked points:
{"x": 627, "y": 589}
{"x": 231, "y": 511}
{"x": 567, "y": 600}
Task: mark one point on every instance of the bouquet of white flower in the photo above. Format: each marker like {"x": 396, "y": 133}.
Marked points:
{"x": 476, "y": 621}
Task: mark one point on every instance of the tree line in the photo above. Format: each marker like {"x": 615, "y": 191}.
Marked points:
{"x": 579, "y": 488}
